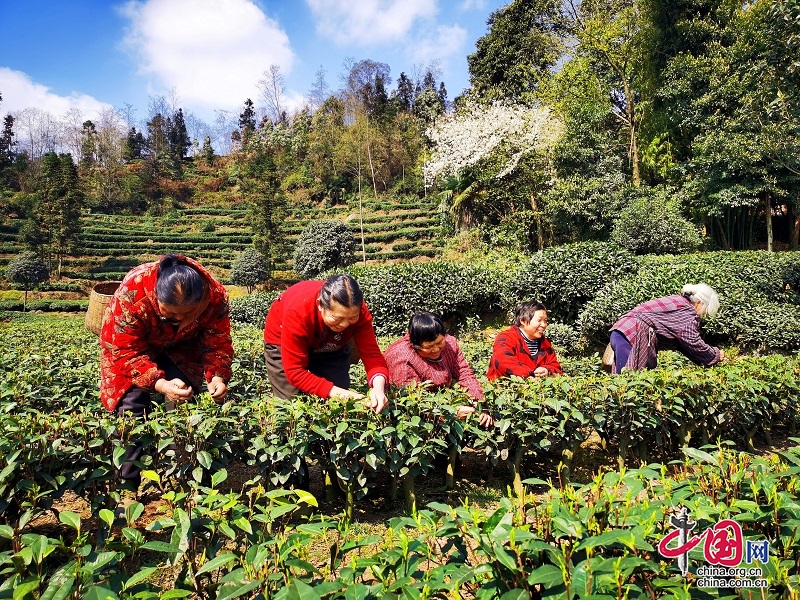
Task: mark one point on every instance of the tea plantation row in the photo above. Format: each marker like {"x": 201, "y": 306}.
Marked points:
{"x": 591, "y": 540}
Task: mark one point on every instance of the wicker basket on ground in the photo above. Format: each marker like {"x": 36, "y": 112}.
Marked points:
{"x": 98, "y": 301}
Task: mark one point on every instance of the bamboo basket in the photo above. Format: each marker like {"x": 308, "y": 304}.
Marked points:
{"x": 98, "y": 301}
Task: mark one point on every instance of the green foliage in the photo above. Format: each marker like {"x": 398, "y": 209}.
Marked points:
{"x": 253, "y": 308}
{"x": 46, "y": 305}
{"x": 456, "y": 291}
{"x": 27, "y": 270}
{"x": 250, "y": 268}
{"x": 322, "y": 246}
{"x": 218, "y": 541}
{"x": 653, "y": 224}
{"x": 565, "y": 278}
{"x": 524, "y": 42}
{"x": 565, "y": 338}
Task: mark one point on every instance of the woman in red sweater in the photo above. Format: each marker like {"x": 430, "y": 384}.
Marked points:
{"x": 522, "y": 350}
{"x": 306, "y": 337}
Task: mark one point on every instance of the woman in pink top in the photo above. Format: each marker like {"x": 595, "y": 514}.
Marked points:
{"x": 426, "y": 354}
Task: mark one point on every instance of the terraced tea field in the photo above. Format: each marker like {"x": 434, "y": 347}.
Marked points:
{"x": 112, "y": 244}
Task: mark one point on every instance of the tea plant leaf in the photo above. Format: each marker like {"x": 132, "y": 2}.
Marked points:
{"x": 118, "y": 456}
{"x": 24, "y": 589}
{"x": 306, "y": 497}
{"x": 134, "y": 511}
{"x": 700, "y": 455}
{"x": 160, "y": 547}
{"x": 547, "y": 575}
{"x": 176, "y": 593}
{"x": 218, "y": 477}
{"x": 107, "y": 516}
{"x": 151, "y": 476}
{"x": 216, "y": 563}
{"x": 61, "y": 584}
{"x": 70, "y": 518}
{"x": 99, "y": 592}
{"x": 358, "y": 591}
{"x": 139, "y": 577}
{"x": 235, "y": 592}
{"x": 503, "y": 556}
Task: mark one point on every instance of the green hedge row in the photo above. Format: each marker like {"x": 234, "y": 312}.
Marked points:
{"x": 55, "y": 286}
{"x": 252, "y": 309}
{"x": 456, "y": 291}
{"x": 45, "y": 305}
{"x": 164, "y": 237}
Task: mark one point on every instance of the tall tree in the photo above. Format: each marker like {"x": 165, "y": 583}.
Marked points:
{"x": 613, "y": 37}
{"x": 526, "y": 38}
{"x": 134, "y": 146}
{"x": 319, "y": 91}
{"x": 58, "y": 207}
{"x": 480, "y": 150}
{"x": 7, "y": 153}
{"x": 404, "y": 93}
{"x": 177, "y": 137}
{"x": 730, "y": 106}
{"x": 247, "y": 119}
{"x": 272, "y": 86}
{"x": 88, "y": 152}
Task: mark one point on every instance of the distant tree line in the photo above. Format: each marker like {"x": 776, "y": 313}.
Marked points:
{"x": 661, "y": 126}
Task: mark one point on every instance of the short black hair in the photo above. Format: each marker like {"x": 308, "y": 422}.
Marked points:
{"x": 342, "y": 289}
{"x": 527, "y": 310}
{"x": 178, "y": 283}
{"x": 425, "y": 327}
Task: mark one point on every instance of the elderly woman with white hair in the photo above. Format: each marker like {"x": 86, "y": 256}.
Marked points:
{"x": 673, "y": 323}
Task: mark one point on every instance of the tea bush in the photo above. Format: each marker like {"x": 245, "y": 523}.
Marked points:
{"x": 653, "y": 224}
{"x": 456, "y": 291}
{"x": 252, "y": 309}
{"x": 566, "y": 277}
{"x": 324, "y": 245}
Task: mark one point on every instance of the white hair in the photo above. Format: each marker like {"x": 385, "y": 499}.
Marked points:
{"x": 705, "y": 294}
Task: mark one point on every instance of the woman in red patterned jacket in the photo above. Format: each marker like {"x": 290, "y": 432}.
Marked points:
{"x": 166, "y": 330}
{"x": 523, "y": 350}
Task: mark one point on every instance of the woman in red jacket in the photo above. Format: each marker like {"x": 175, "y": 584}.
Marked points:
{"x": 306, "y": 341}
{"x": 166, "y": 330}
{"x": 522, "y": 350}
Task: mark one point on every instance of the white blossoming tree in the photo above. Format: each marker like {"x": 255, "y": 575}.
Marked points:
{"x": 484, "y": 148}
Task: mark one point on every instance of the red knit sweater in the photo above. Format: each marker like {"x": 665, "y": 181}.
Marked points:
{"x": 295, "y": 323}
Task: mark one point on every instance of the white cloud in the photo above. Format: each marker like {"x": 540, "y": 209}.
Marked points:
{"x": 472, "y": 5}
{"x": 21, "y": 92}
{"x": 367, "y": 22}
{"x": 447, "y": 41}
{"x": 212, "y": 52}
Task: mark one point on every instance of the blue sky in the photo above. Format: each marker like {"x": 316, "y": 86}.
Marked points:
{"x": 209, "y": 55}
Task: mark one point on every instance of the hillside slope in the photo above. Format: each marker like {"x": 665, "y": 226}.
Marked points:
{"x": 112, "y": 244}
